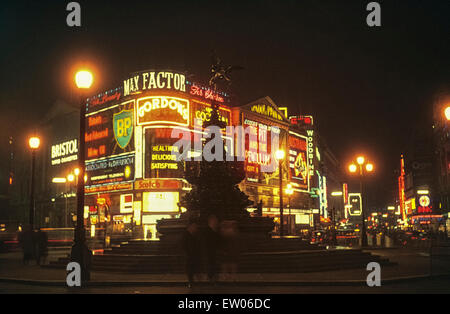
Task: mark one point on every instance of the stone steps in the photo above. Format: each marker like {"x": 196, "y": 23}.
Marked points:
{"x": 248, "y": 263}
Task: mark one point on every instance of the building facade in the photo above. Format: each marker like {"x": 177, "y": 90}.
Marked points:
{"x": 134, "y": 178}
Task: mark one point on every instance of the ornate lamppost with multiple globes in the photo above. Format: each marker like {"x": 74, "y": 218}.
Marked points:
{"x": 80, "y": 252}
{"x": 364, "y": 167}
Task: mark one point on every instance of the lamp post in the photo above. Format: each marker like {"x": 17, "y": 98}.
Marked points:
{"x": 289, "y": 191}
{"x": 363, "y": 167}
{"x": 34, "y": 143}
{"x": 279, "y": 155}
{"x": 339, "y": 194}
{"x": 70, "y": 179}
{"x": 80, "y": 252}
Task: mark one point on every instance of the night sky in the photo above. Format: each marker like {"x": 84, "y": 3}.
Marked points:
{"x": 368, "y": 88}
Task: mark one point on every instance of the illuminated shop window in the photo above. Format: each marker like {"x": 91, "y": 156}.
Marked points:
{"x": 160, "y": 201}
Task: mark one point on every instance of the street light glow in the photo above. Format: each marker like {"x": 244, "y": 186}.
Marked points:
{"x": 352, "y": 168}
{"x": 76, "y": 171}
{"x": 84, "y": 79}
{"x": 34, "y": 142}
{"x": 369, "y": 167}
{"x": 360, "y": 160}
{"x": 447, "y": 112}
{"x": 279, "y": 154}
{"x": 70, "y": 177}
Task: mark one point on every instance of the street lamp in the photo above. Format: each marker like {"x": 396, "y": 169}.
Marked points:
{"x": 80, "y": 252}
{"x": 363, "y": 166}
{"x": 279, "y": 155}
{"x": 34, "y": 143}
{"x": 447, "y": 113}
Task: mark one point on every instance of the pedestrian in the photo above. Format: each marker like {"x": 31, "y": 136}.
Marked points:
{"x": 192, "y": 248}
{"x": 230, "y": 249}
{"x": 26, "y": 240}
{"x": 41, "y": 247}
{"x": 211, "y": 244}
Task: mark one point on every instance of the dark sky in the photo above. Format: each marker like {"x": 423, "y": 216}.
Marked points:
{"x": 368, "y": 88}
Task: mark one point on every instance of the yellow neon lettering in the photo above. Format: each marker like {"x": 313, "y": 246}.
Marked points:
{"x": 158, "y": 78}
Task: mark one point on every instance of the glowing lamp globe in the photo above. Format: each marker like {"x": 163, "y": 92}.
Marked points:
{"x": 84, "y": 79}
{"x": 70, "y": 177}
{"x": 369, "y": 167}
{"x": 360, "y": 160}
{"x": 447, "y": 113}
{"x": 352, "y": 168}
{"x": 34, "y": 142}
{"x": 279, "y": 154}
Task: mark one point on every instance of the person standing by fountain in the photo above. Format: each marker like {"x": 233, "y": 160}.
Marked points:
{"x": 211, "y": 244}
{"x": 191, "y": 246}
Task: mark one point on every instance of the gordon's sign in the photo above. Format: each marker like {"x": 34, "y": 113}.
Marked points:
{"x": 162, "y": 109}
{"x": 154, "y": 80}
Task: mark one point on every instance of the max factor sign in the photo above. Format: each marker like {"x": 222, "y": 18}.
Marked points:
{"x": 154, "y": 80}
{"x": 64, "y": 152}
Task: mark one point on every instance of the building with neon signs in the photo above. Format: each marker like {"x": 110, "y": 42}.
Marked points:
{"x": 133, "y": 178}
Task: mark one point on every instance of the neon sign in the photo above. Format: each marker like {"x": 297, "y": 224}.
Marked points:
{"x": 310, "y": 142}
{"x": 267, "y": 110}
{"x": 103, "y": 100}
{"x": 160, "y": 157}
{"x": 202, "y": 112}
{"x": 110, "y": 131}
{"x": 108, "y": 188}
{"x": 64, "y": 152}
{"x": 205, "y": 93}
{"x": 162, "y": 109}
{"x": 157, "y": 184}
{"x": 301, "y": 120}
{"x": 424, "y": 201}
{"x": 154, "y": 80}
{"x": 298, "y": 163}
{"x": 117, "y": 169}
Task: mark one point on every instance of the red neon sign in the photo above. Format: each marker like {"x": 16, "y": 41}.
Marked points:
{"x": 105, "y": 98}
{"x": 207, "y": 94}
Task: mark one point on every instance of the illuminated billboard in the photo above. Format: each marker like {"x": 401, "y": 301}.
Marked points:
{"x": 66, "y": 151}
{"x": 110, "y": 170}
{"x": 257, "y": 149}
{"x": 356, "y": 204}
{"x": 298, "y": 162}
{"x": 159, "y": 160}
{"x": 110, "y": 131}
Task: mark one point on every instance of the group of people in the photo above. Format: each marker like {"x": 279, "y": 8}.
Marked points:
{"x": 216, "y": 244}
{"x": 34, "y": 245}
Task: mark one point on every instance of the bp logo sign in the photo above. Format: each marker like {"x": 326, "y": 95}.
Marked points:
{"x": 123, "y": 127}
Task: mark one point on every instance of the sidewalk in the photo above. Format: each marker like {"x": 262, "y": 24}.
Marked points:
{"x": 411, "y": 265}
